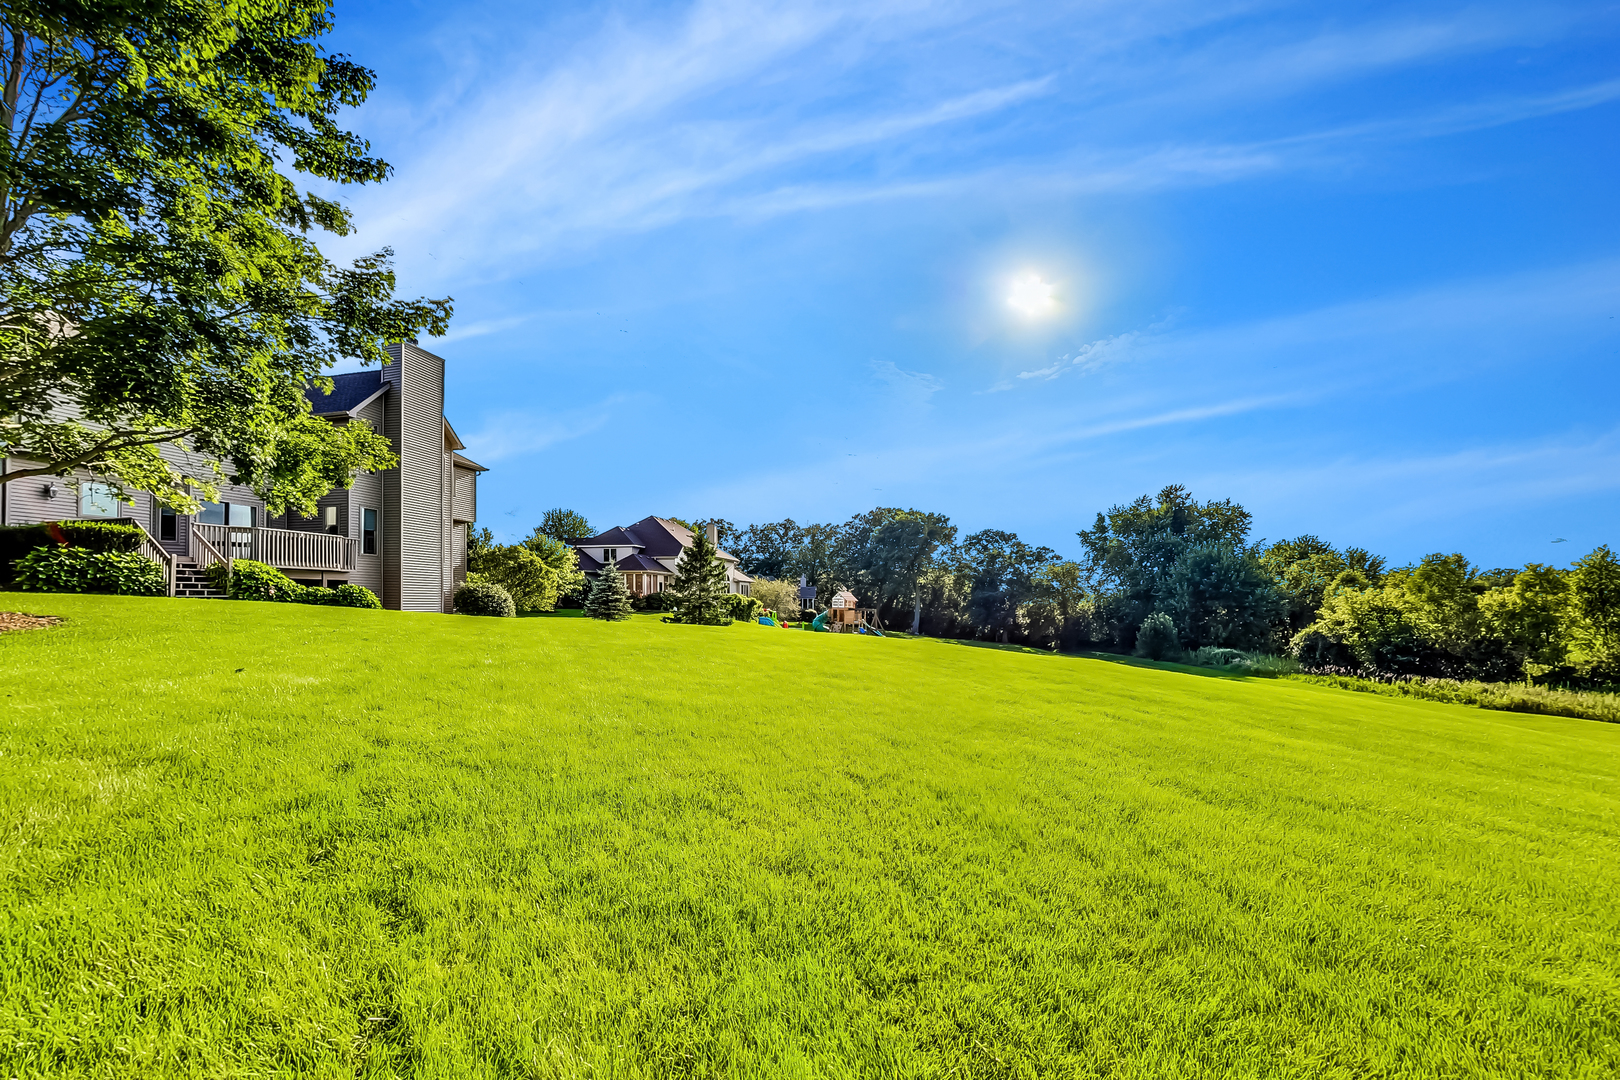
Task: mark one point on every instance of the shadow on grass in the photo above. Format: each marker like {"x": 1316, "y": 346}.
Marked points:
{"x": 1108, "y": 658}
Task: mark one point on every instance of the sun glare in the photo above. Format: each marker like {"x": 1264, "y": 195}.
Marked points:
{"x": 1031, "y": 296}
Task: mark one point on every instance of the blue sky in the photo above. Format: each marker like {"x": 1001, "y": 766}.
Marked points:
{"x": 1356, "y": 266}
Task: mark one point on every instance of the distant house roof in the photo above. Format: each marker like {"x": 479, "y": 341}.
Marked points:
{"x": 629, "y": 564}
{"x": 658, "y": 538}
{"x": 349, "y": 391}
{"x": 807, "y": 592}
{"x": 611, "y": 538}
{"x": 467, "y": 463}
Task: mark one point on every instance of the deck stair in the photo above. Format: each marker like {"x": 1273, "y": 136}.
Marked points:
{"x": 192, "y": 580}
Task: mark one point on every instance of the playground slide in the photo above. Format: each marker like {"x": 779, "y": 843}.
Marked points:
{"x": 766, "y": 620}
{"x": 819, "y": 623}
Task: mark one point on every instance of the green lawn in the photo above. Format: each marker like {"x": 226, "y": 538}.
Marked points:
{"x": 250, "y": 840}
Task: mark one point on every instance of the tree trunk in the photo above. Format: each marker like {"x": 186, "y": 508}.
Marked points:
{"x": 916, "y": 616}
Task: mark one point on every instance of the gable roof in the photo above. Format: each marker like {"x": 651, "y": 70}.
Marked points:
{"x": 610, "y": 538}
{"x": 349, "y": 391}
{"x": 466, "y": 463}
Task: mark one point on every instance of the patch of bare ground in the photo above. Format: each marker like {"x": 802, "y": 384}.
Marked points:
{"x": 16, "y": 620}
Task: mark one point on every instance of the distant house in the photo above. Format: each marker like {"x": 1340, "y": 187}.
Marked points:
{"x": 807, "y": 594}
{"x": 401, "y": 533}
{"x": 646, "y": 554}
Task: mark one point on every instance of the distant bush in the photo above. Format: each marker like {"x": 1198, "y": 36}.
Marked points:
{"x": 1216, "y": 656}
{"x": 657, "y": 601}
{"x": 742, "y": 607}
{"x": 1248, "y": 663}
{"x": 484, "y": 598}
{"x": 1157, "y": 639}
{"x": 79, "y": 570}
{"x": 1506, "y": 697}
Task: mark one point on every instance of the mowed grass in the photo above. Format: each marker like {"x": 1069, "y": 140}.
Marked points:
{"x": 252, "y": 840}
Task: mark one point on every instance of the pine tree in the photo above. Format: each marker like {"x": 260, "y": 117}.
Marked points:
{"x": 608, "y": 598}
{"x": 700, "y": 584}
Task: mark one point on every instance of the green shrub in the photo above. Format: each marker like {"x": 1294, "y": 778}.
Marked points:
{"x": 101, "y": 535}
{"x": 252, "y": 580}
{"x": 17, "y": 541}
{"x": 746, "y": 608}
{"x": 1505, "y": 697}
{"x": 79, "y": 570}
{"x": 484, "y": 598}
{"x": 355, "y": 596}
{"x": 1157, "y": 639}
{"x": 1216, "y": 656}
{"x": 657, "y": 601}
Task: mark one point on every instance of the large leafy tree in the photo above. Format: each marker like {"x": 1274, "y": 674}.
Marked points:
{"x": 564, "y": 525}
{"x": 1132, "y": 549}
{"x": 159, "y": 283}
{"x": 1000, "y": 570}
{"x": 899, "y": 552}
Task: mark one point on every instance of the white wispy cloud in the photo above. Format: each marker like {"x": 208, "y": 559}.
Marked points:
{"x": 911, "y": 387}
{"x": 751, "y": 110}
{"x": 513, "y": 433}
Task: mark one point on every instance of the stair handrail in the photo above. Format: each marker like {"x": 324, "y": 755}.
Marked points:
{"x": 199, "y": 538}
{"x": 158, "y": 553}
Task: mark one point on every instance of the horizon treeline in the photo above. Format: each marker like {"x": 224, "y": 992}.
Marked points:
{"x": 1335, "y": 609}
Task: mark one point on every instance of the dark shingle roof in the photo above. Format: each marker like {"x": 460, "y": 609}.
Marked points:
{"x": 347, "y": 391}
{"x": 613, "y": 536}
{"x": 641, "y": 562}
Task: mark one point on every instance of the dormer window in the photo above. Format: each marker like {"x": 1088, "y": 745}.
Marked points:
{"x": 610, "y": 555}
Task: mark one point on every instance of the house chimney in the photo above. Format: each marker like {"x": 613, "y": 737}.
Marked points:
{"x": 714, "y": 533}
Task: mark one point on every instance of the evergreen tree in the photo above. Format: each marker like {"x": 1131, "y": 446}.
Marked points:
{"x": 700, "y": 584}
{"x": 608, "y": 598}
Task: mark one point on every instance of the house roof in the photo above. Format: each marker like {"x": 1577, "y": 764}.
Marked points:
{"x": 610, "y": 538}
{"x": 807, "y": 592}
{"x": 466, "y": 463}
{"x": 630, "y": 564}
{"x": 349, "y": 391}
{"x": 658, "y": 538}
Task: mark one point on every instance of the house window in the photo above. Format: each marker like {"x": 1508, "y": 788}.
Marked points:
{"x": 166, "y": 523}
{"x": 98, "y": 501}
{"x": 610, "y": 555}
{"x": 238, "y": 515}
{"x": 368, "y": 532}
{"x": 329, "y": 518}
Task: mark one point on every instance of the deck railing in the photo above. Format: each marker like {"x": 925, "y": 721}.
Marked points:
{"x": 285, "y": 549}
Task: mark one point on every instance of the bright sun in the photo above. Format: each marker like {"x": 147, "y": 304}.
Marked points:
{"x": 1031, "y": 296}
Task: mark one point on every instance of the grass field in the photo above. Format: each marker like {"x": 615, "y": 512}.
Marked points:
{"x": 252, "y": 840}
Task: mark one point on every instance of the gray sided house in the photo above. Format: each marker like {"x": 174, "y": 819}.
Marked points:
{"x": 400, "y": 533}
{"x": 646, "y": 554}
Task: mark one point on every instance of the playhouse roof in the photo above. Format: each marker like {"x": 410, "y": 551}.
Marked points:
{"x": 843, "y": 598}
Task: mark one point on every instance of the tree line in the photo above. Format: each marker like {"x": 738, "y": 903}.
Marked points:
{"x": 1192, "y": 567}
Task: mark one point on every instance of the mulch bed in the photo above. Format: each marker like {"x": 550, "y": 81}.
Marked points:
{"x": 16, "y": 620}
